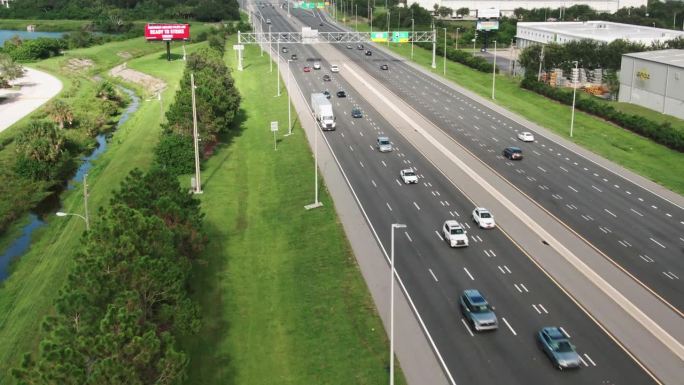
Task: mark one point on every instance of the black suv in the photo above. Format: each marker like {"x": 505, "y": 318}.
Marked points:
{"x": 341, "y": 94}
{"x": 368, "y": 52}
{"x": 384, "y": 67}
{"x": 293, "y": 57}
{"x": 326, "y": 78}
{"x": 513, "y": 153}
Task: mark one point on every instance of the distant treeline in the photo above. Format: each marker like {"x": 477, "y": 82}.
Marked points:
{"x": 121, "y": 10}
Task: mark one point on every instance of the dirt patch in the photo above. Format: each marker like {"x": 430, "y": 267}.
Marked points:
{"x": 78, "y": 65}
{"x": 124, "y": 54}
{"x": 151, "y": 84}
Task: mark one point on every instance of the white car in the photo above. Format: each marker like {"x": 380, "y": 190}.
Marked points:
{"x": 526, "y": 136}
{"x": 334, "y": 68}
{"x": 408, "y": 176}
{"x": 483, "y": 218}
{"x": 454, "y": 234}
{"x": 317, "y": 66}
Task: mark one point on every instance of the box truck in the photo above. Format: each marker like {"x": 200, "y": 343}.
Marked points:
{"x": 323, "y": 111}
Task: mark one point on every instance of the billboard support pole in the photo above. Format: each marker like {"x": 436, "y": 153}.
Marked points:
{"x": 168, "y": 50}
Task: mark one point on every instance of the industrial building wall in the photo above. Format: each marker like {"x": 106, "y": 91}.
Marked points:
{"x": 652, "y": 85}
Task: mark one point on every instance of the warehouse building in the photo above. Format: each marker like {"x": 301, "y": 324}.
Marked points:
{"x": 507, "y": 6}
{"x": 655, "y": 80}
{"x": 530, "y": 33}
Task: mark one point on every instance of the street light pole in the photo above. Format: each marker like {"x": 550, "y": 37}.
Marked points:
{"x": 356, "y": 17}
{"x": 198, "y": 183}
{"x": 434, "y": 46}
{"x": 371, "y": 17}
{"x": 445, "y": 49}
{"x": 494, "y": 73}
{"x": 278, "y": 59}
{"x": 574, "y": 93}
{"x": 413, "y": 36}
{"x": 270, "y": 48}
{"x": 316, "y": 203}
{"x": 457, "y": 29}
{"x": 289, "y": 102}
{"x": 394, "y": 226}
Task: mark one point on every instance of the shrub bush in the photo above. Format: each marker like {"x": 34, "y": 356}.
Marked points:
{"x": 662, "y": 133}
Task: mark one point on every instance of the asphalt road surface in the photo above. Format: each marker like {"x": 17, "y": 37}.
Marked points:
{"x": 435, "y": 274}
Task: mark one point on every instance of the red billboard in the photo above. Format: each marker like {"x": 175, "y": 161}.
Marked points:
{"x": 167, "y": 32}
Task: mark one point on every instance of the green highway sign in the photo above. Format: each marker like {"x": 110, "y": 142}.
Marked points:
{"x": 400, "y": 37}
{"x": 379, "y": 36}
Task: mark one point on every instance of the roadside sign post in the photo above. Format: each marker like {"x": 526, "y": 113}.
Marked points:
{"x": 274, "y": 130}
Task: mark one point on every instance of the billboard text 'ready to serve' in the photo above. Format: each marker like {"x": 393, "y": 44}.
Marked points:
{"x": 167, "y": 32}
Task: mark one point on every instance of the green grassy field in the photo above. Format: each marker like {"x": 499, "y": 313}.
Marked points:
{"x": 28, "y": 294}
{"x": 632, "y": 151}
{"x": 648, "y": 114}
{"x": 282, "y": 298}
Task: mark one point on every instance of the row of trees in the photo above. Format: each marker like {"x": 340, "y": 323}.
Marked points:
{"x": 126, "y": 300}
{"x": 106, "y": 11}
{"x": 217, "y": 103}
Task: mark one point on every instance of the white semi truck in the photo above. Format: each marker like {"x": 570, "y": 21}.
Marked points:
{"x": 323, "y": 111}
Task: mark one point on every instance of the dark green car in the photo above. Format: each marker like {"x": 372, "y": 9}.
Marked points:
{"x": 356, "y": 112}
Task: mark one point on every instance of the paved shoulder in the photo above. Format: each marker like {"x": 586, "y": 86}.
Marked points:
{"x": 35, "y": 88}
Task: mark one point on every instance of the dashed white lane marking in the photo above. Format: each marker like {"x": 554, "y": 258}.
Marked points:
{"x": 572, "y": 188}
{"x": 373, "y": 182}
{"x": 399, "y": 183}
{"x": 543, "y": 308}
{"x": 467, "y": 327}
{"x": 361, "y": 163}
{"x": 351, "y": 148}
{"x": 416, "y": 204}
{"x": 439, "y": 235}
{"x": 609, "y": 212}
{"x": 433, "y": 275}
{"x": 564, "y": 332}
{"x": 596, "y": 188}
{"x": 668, "y": 215}
{"x": 646, "y": 258}
{"x": 388, "y": 206}
{"x": 658, "y": 243}
{"x": 408, "y": 236}
{"x": 517, "y": 287}
{"x": 539, "y": 167}
{"x": 383, "y": 163}
{"x": 564, "y": 169}
{"x": 636, "y": 212}
{"x": 589, "y": 359}
{"x": 670, "y": 275}
{"x": 509, "y": 326}
{"x": 524, "y": 288}
{"x": 583, "y": 362}
{"x": 654, "y": 207}
{"x": 469, "y": 275}
{"x": 535, "y": 308}
{"x": 605, "y": 230}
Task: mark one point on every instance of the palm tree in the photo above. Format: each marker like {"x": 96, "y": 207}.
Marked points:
{"x": 60, "y": 113}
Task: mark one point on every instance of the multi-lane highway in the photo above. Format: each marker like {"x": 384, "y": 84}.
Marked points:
{"x": 434, "y": 274}
{"x": 639, "y": 231}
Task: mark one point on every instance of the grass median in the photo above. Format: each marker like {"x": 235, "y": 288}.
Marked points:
{"x": 282, "y": 297}
{"x": 28, "y": 294}
{"x": 614, "y": 143}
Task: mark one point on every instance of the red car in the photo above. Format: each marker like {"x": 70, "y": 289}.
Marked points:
{"x": 307, "y": 69}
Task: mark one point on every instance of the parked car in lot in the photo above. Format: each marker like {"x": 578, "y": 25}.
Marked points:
{"x": 483, "y": 218}
{"x": 526, "y": 136}
{"x": 513, "y": 153}
{"x": 556, "y": 345}
{"x": 477, "y": 311}
{"x": 334, "y": 68}
{"x": 454, "y": 234}
{"x": 384, "y": 67}
{"x": 408, "y": 176}
{"x": 383, "y": 144}
{"x": 368, "y": 52}
{"x": 341, "y": 94}
{"x": 317, "y": 65}
{"x": 356, "y": 112}
{"x": 326, "y": 78}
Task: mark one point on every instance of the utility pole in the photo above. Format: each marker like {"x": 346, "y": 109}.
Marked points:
{"x": 198, "y": 183}
{"x": 85, "y": 201}
{"x": 413, "y": 36}
{"x": 494, "y": 73}
{"x": 434, "y": 46}
{"x": 575, "y": 76}
{"x": 270, "y": 49}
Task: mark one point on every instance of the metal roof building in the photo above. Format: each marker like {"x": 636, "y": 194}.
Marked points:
{"x": 529, "y": 33}
{"x": 655, "y": 80}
